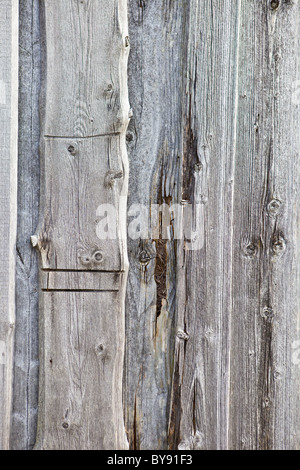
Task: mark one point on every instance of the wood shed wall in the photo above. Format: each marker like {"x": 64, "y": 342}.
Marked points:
{"x": 212, "y": 333}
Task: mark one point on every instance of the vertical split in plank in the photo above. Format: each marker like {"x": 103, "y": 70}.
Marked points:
{"x": 8, "y": 204}
{"x": 84, "y": 175}
{"x": 265, "y": 379}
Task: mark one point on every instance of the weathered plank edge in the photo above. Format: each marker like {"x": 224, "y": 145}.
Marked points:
{"x": 12, "y": 227}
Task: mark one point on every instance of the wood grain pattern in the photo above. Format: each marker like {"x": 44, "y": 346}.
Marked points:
{"x": 87, "y": 36}
{"x": 83, "y": 339}
{"x": 264, "y": 397}
{"x": 8, "y": 205}
{"x": 201, "y": 368}
{"x": 84, "y": 165}
{"x": 25, "y": 390}
{"x": 77, "y": 184}
{"x": 233, "y": 311}
{"x": 154, "y": 138}
{"x": 212, "y": 335}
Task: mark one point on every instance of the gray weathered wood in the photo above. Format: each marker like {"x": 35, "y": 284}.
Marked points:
{"x": 156, "y": 66}
{"x": 8, "y": 204}
{"x": 212, "y": 336}
{"x": 25, "y": 391}
{"x": 200, "y": 395}
{"x": 264, "y": 395}
{"x": 87, "y": 94}
{"x": 84, "y": 164}
{"x": 235, "y": 370}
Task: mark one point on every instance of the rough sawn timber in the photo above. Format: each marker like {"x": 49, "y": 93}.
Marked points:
{"x": 213, "y": 342}
{"x": 25, "y": 389}
{"x": 85, "y": 113}
{"x": 9, "y": 31}
{"x": 215, "y": 84}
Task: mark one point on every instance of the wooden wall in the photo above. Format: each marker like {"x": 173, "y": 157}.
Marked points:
{"x": 212, "y": 335}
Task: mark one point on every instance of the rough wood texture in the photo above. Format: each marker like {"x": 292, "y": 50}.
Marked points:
{"x": 201, "y": 368}
{"x": 88, "y": 37}
{"x": 235, "y": 128}
{"x": 212, "y": 336}
{"x": 26, "y": 332}
{"x": 264, "y": 396}
{"x": 84, "y": 164}
{"x": 8, "y": 204}
{"x": 157, "y": 32}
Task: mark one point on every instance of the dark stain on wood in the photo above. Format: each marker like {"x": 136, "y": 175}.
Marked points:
{"x": 160, "y": 273}
{"x": 190, "y": 157}
{"x": 175, "y": 416}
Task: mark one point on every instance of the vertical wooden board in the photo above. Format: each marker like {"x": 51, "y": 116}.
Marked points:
{"x": 83, "y": 334}
{"x": 8, "y": 204}
{"x": 78, "y": 175}
{"x": 83, "y": 98}
{"x": 156, "y": 66}
{"x": 200, "y": 394}
{"x": 25, "y": 390}
{"x": 264, "y": 396}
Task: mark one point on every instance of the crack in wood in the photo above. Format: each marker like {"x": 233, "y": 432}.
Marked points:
{"x": 78, "y": 290}
{"x": 47, "y": 270}
{"x": 107, "y": 134}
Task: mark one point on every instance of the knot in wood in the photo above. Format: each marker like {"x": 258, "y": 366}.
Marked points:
{"x": 100, "y": 349}
{"x": 277, "y": 375}
{"x": 98, "y": 257}
{"x": 85, "y": 259}
{"x": 268, "y": 313}
{"x": 72, "y": 150}
{"x": 144, "y": 258}
{"x": 250, "y": 249}
{"x": 183, "y": 335}
{"x": 266, "y": 402}
{"x": 274, "y": 207}
{"x": 129, "y": 137}
{"x": 275, "y": 4}
{"x": 278, "y": 246}
{"x": 198, "y": 167}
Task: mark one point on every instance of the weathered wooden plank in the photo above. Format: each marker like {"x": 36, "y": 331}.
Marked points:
{"x": 200, "y": 396}
{"x": 156, "y": 66}
{"x": 83, "y": 364}
{"x": 25, "y": 393}
{"x": 87, "y": 35}
{"x": 264, "y": 396}
{"x": 8, "y": 204}
{"x": 215, "y": 84}
{"x": 82, "y": 333}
